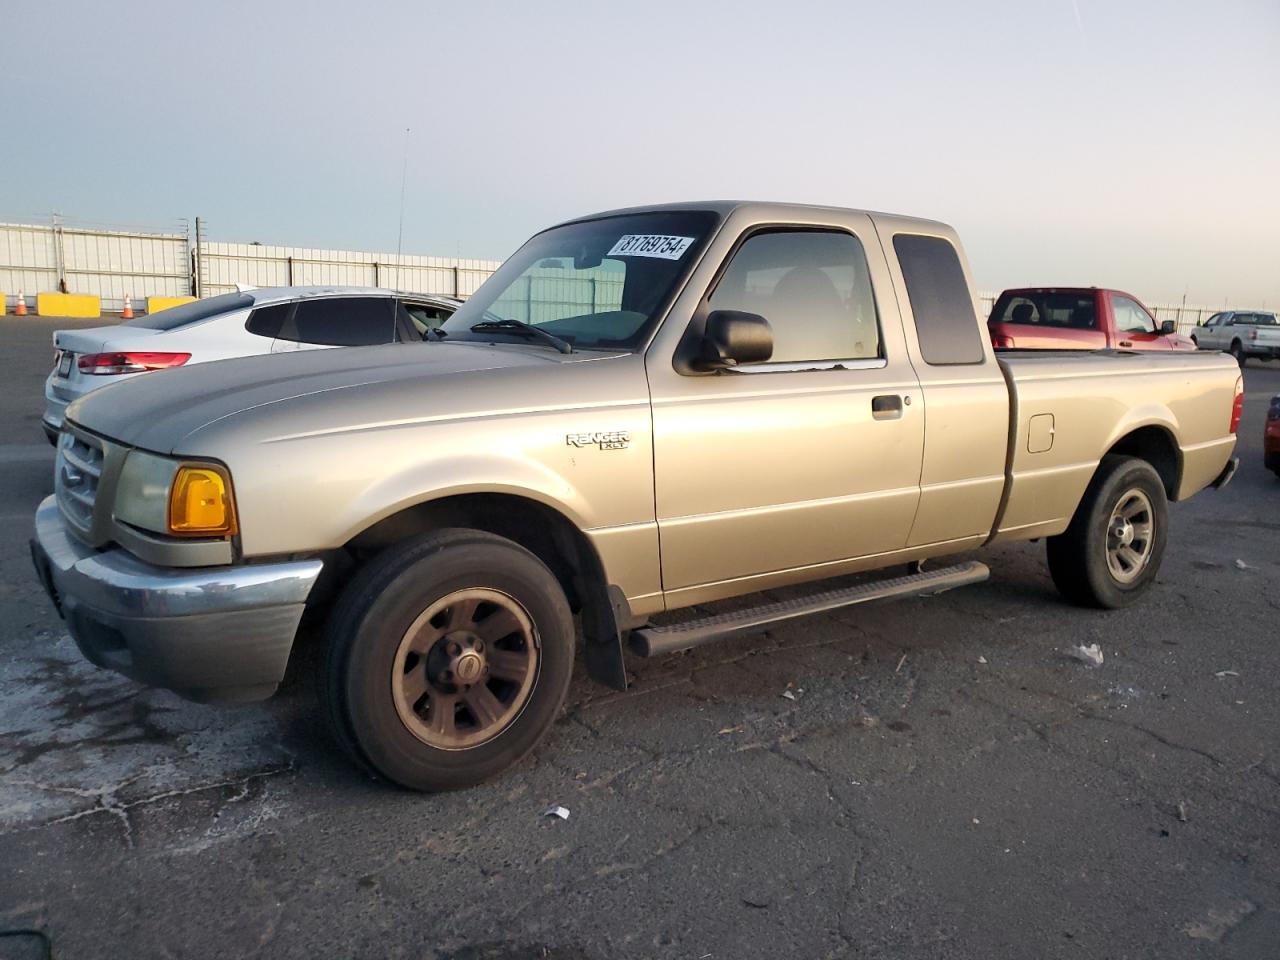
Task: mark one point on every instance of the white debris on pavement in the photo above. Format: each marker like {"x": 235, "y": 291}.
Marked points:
{"x": 1226, "y": 673}
{"x": 1090, "y": 655}
{"x": 982, "y": 659}
{"x": 557, "y": 811}
{"x": 1241, "y": 565}
{"x": 788, "y": 695}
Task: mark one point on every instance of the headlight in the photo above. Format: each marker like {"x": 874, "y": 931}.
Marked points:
{"x": 180, "y": 499}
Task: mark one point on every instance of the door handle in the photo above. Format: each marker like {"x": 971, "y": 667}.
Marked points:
{"x": 886, "y": 407}
{"x": 1126, "y": 343}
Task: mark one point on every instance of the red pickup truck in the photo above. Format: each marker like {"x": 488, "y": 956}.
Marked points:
{"x": 1079, "y": 318}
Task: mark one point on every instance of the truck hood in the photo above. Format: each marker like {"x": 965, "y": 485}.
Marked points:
{"x": 157, "y": 411}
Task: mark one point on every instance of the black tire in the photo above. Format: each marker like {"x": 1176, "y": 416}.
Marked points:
{"x": 372, "y": 619}
{"x": 1079, "y": 557}
{"x": 1237, "y": 351}
{"x": 1195, "y": 341}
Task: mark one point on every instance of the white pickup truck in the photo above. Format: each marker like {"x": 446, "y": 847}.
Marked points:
{"x": 1241, "y": 333}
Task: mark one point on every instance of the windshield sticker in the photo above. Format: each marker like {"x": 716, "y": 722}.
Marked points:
{"x": 650, "y": 245}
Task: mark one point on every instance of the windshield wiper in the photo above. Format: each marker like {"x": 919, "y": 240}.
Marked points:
{"x": 507, "y": 323}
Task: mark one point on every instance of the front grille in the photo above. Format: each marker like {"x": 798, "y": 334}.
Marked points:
{"x": 76, "y": 477}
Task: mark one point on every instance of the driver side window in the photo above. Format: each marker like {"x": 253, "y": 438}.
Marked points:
{"x": 814, "y": 288}
{"x": 1131, "y": 318}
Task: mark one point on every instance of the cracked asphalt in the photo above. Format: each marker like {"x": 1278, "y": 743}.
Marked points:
{"x": 946, "y": 782}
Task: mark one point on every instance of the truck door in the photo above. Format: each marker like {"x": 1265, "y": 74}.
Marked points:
{"x": 1210, "y": 335}
{"x": 810, "y": 458}
{"x": 966, "y": 400}
{"x": 1135, "y": 329}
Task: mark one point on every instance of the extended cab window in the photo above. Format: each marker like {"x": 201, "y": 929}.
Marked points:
{"x": 341, "y": 321}
{"x": 946, "y": 325}
{"x": 1130, "y": 317}
{"x": 812, "y": 286}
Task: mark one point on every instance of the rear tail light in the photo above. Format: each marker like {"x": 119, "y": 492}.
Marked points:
{"x": 1000, "y": 342}
{"x": 1237, "y": 406}
{"x": 107, "y": 364}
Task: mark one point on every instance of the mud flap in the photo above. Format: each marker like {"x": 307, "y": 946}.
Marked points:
{"x": 602, "y": 618}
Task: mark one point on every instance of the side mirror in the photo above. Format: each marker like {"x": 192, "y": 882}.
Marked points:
{"x": 1168, "y": 327}
{"x": 733, "y": 337}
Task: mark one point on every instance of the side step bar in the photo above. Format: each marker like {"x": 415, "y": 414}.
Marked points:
{"x": 656, "y": 641}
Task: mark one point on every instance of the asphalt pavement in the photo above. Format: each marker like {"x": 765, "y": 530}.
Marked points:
{"x": 940, "y": 781}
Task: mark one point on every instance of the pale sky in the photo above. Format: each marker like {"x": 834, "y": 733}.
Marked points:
{"x": 1127, "y": 143}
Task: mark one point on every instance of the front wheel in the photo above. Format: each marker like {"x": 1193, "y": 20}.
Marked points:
{"x": 1111, "y": 552}
{"x": 449, "y": 658}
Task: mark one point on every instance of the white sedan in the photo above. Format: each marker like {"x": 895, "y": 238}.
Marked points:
{"x": 240, "y": 324}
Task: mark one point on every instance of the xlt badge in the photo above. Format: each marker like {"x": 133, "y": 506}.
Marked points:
{"x": 606, "y": 439}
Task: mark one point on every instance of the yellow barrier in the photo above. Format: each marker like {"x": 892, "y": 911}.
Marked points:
{"x": 68, "y": 305}
{"x": 156, "y": 304}
{"x": 3, "y": 303}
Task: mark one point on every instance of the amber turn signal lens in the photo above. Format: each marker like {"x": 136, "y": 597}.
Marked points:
{"x": 200, "y": 503}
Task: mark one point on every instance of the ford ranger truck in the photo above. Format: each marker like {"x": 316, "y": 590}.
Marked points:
{"x": 640, "y": 411}
{"x": 1079, "y": 318}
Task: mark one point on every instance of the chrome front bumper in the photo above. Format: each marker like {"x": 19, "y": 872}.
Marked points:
{"x": 211, "y": 634}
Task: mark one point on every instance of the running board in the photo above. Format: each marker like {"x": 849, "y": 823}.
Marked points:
{"x": 655, "y": 641}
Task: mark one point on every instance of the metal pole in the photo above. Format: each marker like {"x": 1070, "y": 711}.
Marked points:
{"x": 289, "y": 263}
{"x": 59, "y": 254}
{"x": 404, "y": 172}
{"x": 197, "y": 288}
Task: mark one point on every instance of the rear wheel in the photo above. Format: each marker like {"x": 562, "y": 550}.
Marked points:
{"x": 1111, "y": 552}
{"x": 1237, "y": 351}
{"x": 449, "y": 658}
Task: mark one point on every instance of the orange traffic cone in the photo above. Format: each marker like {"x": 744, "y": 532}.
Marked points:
{"x": 128, "y": 309}
{"x": 20, "y": 308}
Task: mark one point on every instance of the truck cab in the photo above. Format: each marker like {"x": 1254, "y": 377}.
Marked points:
{"x": 1079, "y": 318}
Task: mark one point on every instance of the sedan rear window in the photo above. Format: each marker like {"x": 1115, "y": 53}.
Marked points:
{"x": 193, "y": 312}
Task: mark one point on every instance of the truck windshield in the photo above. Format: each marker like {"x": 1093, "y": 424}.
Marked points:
{"x": 595, "y": 284}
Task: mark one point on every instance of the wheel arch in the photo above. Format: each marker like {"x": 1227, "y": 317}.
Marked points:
{"x": 545, "y": 531}
{"x": 1154, "y": 443}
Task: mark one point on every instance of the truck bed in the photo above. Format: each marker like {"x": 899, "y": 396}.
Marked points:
{"x": 1066, "y": 405}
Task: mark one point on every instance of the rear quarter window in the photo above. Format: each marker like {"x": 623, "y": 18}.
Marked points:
{"x": 267, "y": 321}
{"x": 946, "y": 325}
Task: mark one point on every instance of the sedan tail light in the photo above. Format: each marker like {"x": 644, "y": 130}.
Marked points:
{"x": 999, "y": 341}
{"x": 1237, "y": 406}
{"x": 107, "y": 364}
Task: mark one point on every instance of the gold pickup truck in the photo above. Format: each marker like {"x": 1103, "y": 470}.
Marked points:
{"x": 640, "y": 411}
